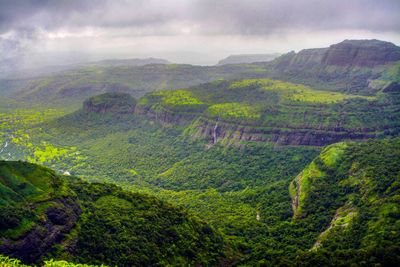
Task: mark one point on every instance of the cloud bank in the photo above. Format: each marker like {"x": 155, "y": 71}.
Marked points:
{"x": 194, "y": 31}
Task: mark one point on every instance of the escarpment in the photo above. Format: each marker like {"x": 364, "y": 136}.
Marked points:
{"x": 360, "y": 53}
{"x": 231, "y": 133}
{"x": 265, "y": 110}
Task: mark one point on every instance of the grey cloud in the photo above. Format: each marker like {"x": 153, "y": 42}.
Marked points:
{"x": 209, "y": 16}
{"x": 267, "y": 16}
{"x": 125, "y": 25}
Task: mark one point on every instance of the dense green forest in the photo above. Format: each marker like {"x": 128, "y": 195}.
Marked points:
{"x": 46, "y": 215}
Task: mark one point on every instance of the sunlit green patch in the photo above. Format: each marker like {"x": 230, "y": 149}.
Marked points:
{"x": 47, "y": 153}
{"x": 332, "y": 154}
{"x": 295, "y": 92}
{"x": 176, "y": 98}
{"x": 234, "y": 110}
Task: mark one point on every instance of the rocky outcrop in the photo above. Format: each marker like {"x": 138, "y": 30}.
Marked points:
{"x": 51, "y": 228}
{"x": 165, "y": 117}
{"x": 117, "y": 103}
{"x": 306, "y": 58}
{"x": 363, "y": 53}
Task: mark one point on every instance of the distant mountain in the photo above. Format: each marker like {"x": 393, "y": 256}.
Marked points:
{"x": 127, "y": 62}
{"x": 361, "y": 53}
{"x": 11, "y": 69}
{"x": 352, "y": 66}
{"x": 248, "y": 58}
{"x": 361, "y": 67}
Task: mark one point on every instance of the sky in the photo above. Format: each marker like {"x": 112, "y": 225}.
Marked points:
{"x": 55, "y": 32}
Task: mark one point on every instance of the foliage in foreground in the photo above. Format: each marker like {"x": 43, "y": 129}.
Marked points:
{"x": 6, "y": 261}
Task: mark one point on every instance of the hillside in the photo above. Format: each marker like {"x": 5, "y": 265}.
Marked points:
{"x": 344, "y": 202}
{"x": 349, "y": 193}
{"x": 266, "y": 110}
{"x": 45, "y": 215}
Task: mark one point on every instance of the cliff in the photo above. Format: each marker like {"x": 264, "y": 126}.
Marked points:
{"x": 350, "y": 53}
{"x": 117, "y": 103}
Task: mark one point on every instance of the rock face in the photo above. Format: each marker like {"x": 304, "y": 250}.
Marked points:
{"x": 306, "y": 58}
{"x": 117, "y": 103}
{"x": 58, "y": 221}
{"x": 247, "y": 58}
{"x": 360, "y": 53}
{"x": 233, "y": 133}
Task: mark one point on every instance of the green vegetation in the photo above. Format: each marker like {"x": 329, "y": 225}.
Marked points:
{"x": 96, "y": 223}
{"x": 269, "y": 110}
{"x": 233, "y": 110}
{"x": 296, "y": 92}
{"x": 11, "y": 262}
{"x": 219, "y": 173}
{"x": 241, "y": 191}
{"x": 178, "y": 97}
{"x": 118, "y": 103}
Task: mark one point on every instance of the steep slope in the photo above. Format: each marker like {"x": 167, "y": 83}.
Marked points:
{"x": 44, "y": 215}
{"x": 266, "y": 110}
{"x": 350, "y": 195}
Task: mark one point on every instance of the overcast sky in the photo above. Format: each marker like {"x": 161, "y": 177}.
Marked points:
{"x": 189, "y": 31}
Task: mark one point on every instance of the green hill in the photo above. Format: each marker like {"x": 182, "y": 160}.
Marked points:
{"x": 274, "y": 111}
{"x": 47, "y": 216}
{"x": 350, "y": 195}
